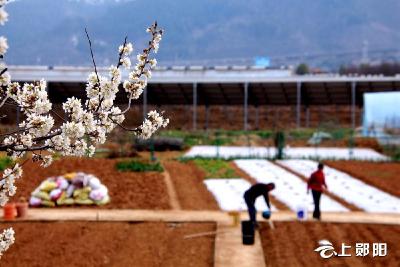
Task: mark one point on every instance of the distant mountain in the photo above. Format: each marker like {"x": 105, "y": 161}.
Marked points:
{"x": 49, "y": 32}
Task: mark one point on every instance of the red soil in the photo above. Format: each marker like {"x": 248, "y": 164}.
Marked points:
{"x": 189, "y": 186}
{"x": 383, "y": 175}
{"x": 109, "y": 244}
{"x": 293, "y": 243}
{"x": 126, "y": 189}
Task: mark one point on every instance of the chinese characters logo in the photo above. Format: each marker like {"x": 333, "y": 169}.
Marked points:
{"x": 327, "y": 250}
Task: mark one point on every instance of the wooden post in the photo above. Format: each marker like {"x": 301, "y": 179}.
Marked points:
{"x": 194, "y": 106}
{"x": 245, "y": 106}
{"x": 298, "y": 111}
{"x": 353, "y": 105}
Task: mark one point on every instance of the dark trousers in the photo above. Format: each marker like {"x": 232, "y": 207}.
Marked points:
{"x": 251, "y": 208}
{"x": 317, "y": 197}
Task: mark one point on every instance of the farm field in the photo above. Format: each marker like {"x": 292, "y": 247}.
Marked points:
{"x": 109, "y": 244}
{"x": 383, "y": 175}
{"x": 287, "y": 184}
{"x": 349, "y": 188}
{"x": 293, "y": 243}
{"x": 131, "y": 190}
{"x": 188, "y": 182}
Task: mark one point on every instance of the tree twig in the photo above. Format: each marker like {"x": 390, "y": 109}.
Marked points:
{"x": 91, "y": 53}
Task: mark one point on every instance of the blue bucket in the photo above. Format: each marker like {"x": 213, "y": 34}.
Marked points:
{"x": 301, "y": 213}
{"x": 266, "y": 214}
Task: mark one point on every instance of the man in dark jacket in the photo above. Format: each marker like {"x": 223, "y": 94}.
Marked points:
{"x": 253, "y": 193}
{"x": 317, "y": 185}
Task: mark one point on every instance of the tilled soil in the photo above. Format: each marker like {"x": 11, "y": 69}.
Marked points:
{"x": 109, "y": 244}
{"x": 189, "y": 186}
{"x": 131, "y": 190}
{"x": 293, "y": 243}
{"x": 383, "y": 175}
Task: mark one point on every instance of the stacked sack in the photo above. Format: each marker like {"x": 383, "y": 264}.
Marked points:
{"x": 72, "y": 188}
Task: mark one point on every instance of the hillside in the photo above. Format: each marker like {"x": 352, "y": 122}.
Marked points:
{"x": 52, "y": 32}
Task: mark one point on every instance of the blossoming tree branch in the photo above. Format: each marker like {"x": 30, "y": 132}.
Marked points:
{"x": 85, "y": 125}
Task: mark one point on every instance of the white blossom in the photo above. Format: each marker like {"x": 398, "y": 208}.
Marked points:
{"x": 47, "y": 160}
{"x": 153, "y": 122}
{"x": 153, "y": 63}
{"x": 3, "y": 45}
{"x": 26, "y": 140}
{"x": 5, "y": 79}
{"x": 38, "y": 125}
{"x": 6, "y": 240}
{"x": 9, "y": 140}
{"x": 73, "y": 129}
{"x": 133, "y": 89}
{"x": 126, "y": 50}
{"x": 126, "y": 62}
{"x": 115, "y": 75}
{"x": 3, "y": 16}
{"x": 147, "y": 73}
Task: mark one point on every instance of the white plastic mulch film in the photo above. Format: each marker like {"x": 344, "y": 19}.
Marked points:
{"x": 289, "y": 189}
{"x": 229, "y": 194}
{"x": 352, "y": 190}
{"x": 227, "y": 152}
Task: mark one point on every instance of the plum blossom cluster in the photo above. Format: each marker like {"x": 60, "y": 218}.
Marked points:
{"x": 84, "y": 125}
{"x": 6, "y": 240}
{"x": 3, "y": 20}
{"x": 9, "y": 175}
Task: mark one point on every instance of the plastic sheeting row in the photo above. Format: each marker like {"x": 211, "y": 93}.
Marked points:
{"x": 290, "y": 189}
{"x": 254, "y": 152}
{"x": 347, "y": 187}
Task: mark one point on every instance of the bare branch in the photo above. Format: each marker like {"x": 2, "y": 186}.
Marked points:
{"x": 121, "y": 53}
{"x": 91, "y": 53}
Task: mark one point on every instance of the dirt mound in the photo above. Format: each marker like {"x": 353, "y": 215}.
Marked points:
{"x": 293, "y": 243}
{"x": 189, "y": 186}
{"x": 126, "y": 189}
{"x": 109, "y": 244}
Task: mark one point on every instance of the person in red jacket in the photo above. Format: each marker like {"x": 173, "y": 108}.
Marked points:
{"x": 317, "y": 185}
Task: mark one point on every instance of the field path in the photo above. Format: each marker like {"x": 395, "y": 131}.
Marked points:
{"x": 229, "y": 250}
{"x": 173, "y": 197}
{"x": 130, "y": 215}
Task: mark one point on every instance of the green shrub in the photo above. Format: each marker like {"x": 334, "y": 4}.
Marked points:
{"x": 216, "y": 168}
{"x": 341, "y": 133}
{"x": 221, "y": 141}
{"x": 301, "y": 133}
{"x": 138, "y": 166}
{"x": 4, "y": 163}
{"x": 264, "y": 134}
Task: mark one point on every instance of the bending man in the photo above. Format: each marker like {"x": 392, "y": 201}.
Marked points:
{"x": 252, "y": 194}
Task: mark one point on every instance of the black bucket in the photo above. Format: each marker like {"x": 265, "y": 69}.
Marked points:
{"x": 247, "y": 232}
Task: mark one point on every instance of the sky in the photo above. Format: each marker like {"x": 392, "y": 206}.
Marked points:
{"x": 380, "y": 107}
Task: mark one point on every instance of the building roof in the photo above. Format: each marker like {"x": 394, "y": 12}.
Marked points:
{"x": 220, "y": 85}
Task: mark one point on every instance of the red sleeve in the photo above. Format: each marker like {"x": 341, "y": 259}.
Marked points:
{"x": 309, "y": 180}
{"x": 323, "y": 180}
